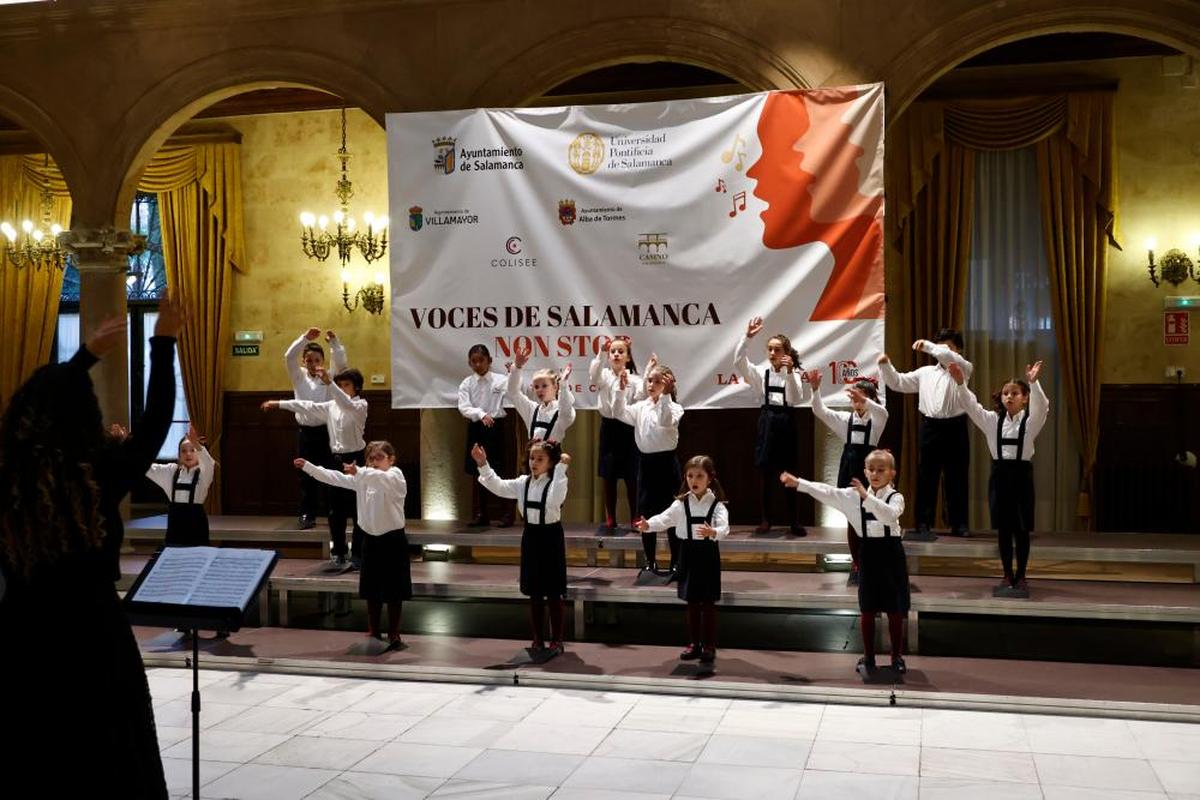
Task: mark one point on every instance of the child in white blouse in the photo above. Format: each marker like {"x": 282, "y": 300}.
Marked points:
{"x": 860, "y": 429}
{"x": 699, "y": 511}
{"x": 481, "y": 402}
{"x": 655, "y": 422}
{"x": 552, "y": 414}
{"x": 379, "y": 490}
{"x": 1021, "y": 410}
{"x": 186, "y": 485}
{"x": 539, "y": 496}
{"x": 618, "y": 458}
{"x": 345, "y": 416}
{"x": 883, "y": 585}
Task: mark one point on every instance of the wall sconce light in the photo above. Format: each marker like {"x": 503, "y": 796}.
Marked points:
{"x": 1174, "y": 266}
{"x": 370, "y": 296}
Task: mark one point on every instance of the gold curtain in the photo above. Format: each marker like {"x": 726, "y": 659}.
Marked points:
{"x": 199, "y": 192}
{"x": 29, "y": 309}
{"x": 931, "y": 195}
{"x": 1077, "y": 173}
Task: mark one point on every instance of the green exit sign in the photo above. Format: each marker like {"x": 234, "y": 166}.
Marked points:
{"x": 245, "y": 349}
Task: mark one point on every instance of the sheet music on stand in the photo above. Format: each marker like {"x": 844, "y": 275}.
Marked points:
{"x": 205, "y": 588}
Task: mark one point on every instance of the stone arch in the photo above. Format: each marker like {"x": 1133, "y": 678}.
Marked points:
{"x": 951, "y": 43}
{"x": 32, "y": 118}
{"x": 177, "y": 98}
{"x": 582, "y": 49}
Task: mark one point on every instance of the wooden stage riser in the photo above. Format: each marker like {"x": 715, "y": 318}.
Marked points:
{"x": 1056, "y": 562}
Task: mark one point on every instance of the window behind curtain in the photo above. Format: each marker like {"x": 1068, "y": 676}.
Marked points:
{"x": 144, "y": 286}
{"x": 1010, "y": 324}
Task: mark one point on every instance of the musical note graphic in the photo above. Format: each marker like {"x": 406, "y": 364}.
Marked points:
{"x": 738, "y": 148}
{"x": 736, "y": 206}
{"x": 720, "y": 186}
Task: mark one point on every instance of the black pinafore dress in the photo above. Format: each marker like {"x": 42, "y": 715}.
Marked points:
{"x": 543, "y": 549}
{"x": 699, "y": 560}
{"x": 883, "y": 571}
{"x": 854, "y": 455}
{"x": 775, "y": 445}
{"x": 536, "y": 424}
{"x": 187, "y": 523}
{"x": 1010, "y": 487}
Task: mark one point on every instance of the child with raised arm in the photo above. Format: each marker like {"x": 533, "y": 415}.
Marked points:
{"x": 481, "y": 402}
{"x": 554, "y": 411}
{"x": 699, "y": 511}
{"x": 859, "y": 429}
{"x": 346, "y": 419}
{"x": 305, "y": 363}
{"x": 1021, "y": 410}
{"x": 186, "y": 485}
{"x": 655, "y": 422}
{"x": 883, "y": 574}
{"x": 944, "y": 446}
{"x": 539, "y": 496}
{"x": 379, "y": 491}
{"x": 618, "y": 458}
{"x": 776, "y": 383}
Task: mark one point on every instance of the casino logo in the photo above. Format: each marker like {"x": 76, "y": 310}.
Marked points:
{"x": 443, "y": 160}
{"x": 513, "y": 245}
{"x": 415, "y": 218}
{"x": 586, "y": 153}
{"x": 652, "y": 248}
{"x": 566, "y": 212}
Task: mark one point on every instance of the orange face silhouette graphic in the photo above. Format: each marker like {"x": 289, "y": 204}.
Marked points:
{"x": 810, "y": 175}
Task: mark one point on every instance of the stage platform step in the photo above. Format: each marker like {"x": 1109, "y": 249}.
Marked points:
{"x": 1178, "y": 551}
{"x": 1073, "y": 600}
{"x": 771, "y": 676}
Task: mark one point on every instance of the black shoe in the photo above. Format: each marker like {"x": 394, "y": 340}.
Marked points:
{"x": 899, "y": 666}
{"x": 606, "y": 530}
{"x": 672, "y": 575}
{"x": 708, "y": 655}
{"x": 555, "y": 649}
{"x": 960, "y": 531}
{"x": 355, "y": 564}
{"x": 852, "y": 579}
{"x": 866, "y": 668}
{"x": 478, "y": 521}
{"x": 691, "y": 653}
{"x": 924, "y": 530}
{"x": 797, "y": 530}
{"x": 305, "y": 522}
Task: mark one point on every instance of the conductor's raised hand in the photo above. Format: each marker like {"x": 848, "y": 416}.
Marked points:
{"x": 118, "y": 432}
{"x": 1032, "y": 371}
{"x": 857, "y": 486}
{"x": 956, "y": 372}
{"x": 789, "y": 480}
{"x": 479, "y": 455}
{"x": 171, "y": 316}
{"x": 108, "y": 334}
{"x": 754, "y": 327}
{"x": 312, "y": 333}
{"x": 298, "y": 463}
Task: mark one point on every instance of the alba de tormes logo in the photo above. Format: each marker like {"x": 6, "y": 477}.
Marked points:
{"x": 443, "y": 158}
{"x": 566, "y": 212}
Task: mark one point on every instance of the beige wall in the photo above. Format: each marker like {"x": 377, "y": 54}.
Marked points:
{"x": 288, "y": 166}
{"x": 1158, "y": 156}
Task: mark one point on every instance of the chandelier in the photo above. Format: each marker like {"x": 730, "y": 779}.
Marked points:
{"x": 37, "y": 245}
{"x": 319, "y": 242}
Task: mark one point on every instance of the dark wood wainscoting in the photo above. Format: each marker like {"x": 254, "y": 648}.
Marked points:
{"x": 1139, "y": 485}
{"x": 258, "y": 448}
{"x": 728, "y": 436}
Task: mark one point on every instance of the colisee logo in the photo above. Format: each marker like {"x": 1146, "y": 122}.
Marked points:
{"x": 513, "y": 245}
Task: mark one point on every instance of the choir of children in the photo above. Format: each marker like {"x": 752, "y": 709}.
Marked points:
{"x": 638, "y": 437}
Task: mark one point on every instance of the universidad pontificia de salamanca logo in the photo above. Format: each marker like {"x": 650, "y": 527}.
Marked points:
{"x": 448, "y": 156}
{"x": 588, "y": 152}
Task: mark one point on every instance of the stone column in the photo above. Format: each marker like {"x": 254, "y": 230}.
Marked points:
{"x": 102, "y": 258}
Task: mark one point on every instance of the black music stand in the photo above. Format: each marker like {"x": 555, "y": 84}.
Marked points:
{"x": 194, "y": 589}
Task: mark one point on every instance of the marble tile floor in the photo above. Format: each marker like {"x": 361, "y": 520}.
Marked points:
{"x": 270, "y": 736}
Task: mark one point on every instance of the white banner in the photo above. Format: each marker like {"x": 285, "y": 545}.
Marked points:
{"x": 673, "y": 223}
